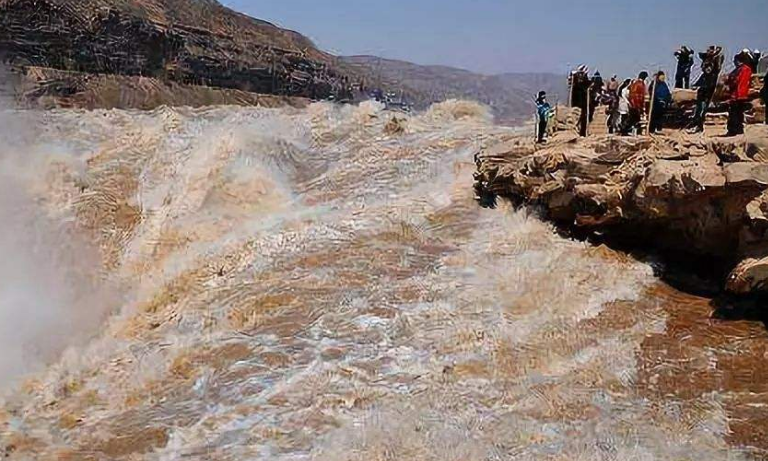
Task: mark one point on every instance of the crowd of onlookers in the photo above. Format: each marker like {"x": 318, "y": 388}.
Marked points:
{"x": 632, "y": 104}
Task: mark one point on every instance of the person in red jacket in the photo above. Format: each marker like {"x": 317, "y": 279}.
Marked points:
{"x": 738, "y": 86}
{"x": 637, "y": 93}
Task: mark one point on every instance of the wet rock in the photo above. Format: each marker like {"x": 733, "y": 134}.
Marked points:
{"x": 749, "y": 276}
{"x": 672, "y": 193}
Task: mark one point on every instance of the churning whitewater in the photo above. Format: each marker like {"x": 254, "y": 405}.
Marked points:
{"x": 315, "y": 284}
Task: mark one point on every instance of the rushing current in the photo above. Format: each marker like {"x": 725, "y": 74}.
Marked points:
{"x": 319, "y": 284}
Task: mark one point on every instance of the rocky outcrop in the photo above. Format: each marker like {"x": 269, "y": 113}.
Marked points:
{"x": 45, "y": 88}
{"x": 193, "y": 42}
{"x": 688, "y": 194}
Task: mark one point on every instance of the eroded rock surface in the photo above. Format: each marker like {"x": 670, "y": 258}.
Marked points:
{"x": 698, "y": 195}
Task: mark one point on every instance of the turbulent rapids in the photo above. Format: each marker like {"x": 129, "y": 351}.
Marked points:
{"x": 319, "y": 284}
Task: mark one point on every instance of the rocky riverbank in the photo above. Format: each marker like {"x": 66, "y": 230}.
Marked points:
{"x": 699, "y": 195}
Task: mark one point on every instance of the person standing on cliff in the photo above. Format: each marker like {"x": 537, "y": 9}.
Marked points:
{"x": 543, "y": 112}
{"x": 624, "y": 106}
{"x": 738, "y": 85}
{"x": 706, "y": 85}
{"x": 662, "y": 99}
{"x": 580, "y": 85}
{"x": 595, "y": 94}
{"x": 613, "y": 85}
{"x": 611, "y": 102}
{"x": 637, "y": 94}
{"x": 684, "y": 65}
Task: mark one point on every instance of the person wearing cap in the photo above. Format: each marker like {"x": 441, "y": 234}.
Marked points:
{"x": 738, "y": 86}
{"x": 684, "y": 64}
{"x": 543, "y": 111}
{"x": 662, "y": 99}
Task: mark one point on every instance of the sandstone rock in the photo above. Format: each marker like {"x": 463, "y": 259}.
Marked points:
{"x": 684, "y": 97}
{"x": 749, "y": 276}
{"x": 567, "y": 119}
{"x": 678, "y": 179}
{"x": 747, "y": 174}
{"x": 669, "y": 192}
{"x": 757, "y": 210}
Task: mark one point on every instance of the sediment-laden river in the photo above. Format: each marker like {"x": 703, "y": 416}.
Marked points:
{"x": 319, "y": 284}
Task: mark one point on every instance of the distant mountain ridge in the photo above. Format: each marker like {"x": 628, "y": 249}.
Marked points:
{"x": 201, "y": 43}
{"x": 510, "y": 95}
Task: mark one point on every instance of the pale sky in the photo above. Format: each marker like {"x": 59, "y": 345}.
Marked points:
{"x": 494, "y": 36}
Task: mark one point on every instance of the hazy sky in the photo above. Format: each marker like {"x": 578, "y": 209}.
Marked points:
{"x": 494, "y": 36}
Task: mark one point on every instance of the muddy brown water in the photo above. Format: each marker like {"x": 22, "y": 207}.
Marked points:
{"x": 309, "y": 285}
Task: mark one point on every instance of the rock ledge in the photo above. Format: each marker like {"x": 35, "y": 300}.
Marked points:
{"x": 697, "y": 195}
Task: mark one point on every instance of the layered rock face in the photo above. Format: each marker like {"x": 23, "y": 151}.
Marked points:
{"x": 688, "y": 194}
{"x": 183, "y": 41}
{"x": 47, "y": 88}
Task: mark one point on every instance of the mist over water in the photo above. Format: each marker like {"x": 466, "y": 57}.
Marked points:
{"x": 50, "y": 294}
{"x": 319, "y": 284}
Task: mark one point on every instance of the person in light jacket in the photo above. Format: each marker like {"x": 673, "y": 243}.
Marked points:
{"x": 624, "y": 106}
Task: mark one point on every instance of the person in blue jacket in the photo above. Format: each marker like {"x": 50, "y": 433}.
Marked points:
{"x": 543, "y": 110}
{"x": 662, "y": 99}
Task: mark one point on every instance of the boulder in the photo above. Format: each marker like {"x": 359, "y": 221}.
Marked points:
{"x": 751, "y": 275}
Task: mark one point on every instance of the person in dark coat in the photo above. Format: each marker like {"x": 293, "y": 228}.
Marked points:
{"x": 662, "y": 99}
{"x": 595, "y": 94}
{"x": 580, "y": 83}
{"x": 684, "y": 65}
{"x": 706, "y": 85}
